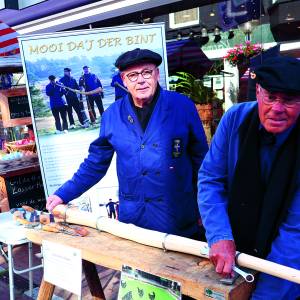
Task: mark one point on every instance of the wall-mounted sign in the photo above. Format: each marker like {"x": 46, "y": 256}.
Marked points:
{"x": 18, "y": 107}
{"x": 44, "y": 55}
{"x": 26, "y": 189}
{"x": 14, "y": 107}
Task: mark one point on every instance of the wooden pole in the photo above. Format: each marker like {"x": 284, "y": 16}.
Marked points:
{"x": 168, "y": 241}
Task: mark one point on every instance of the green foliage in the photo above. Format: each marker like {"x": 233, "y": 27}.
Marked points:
{"x": 193, "y": 88}
{"x": 40, "y": 108}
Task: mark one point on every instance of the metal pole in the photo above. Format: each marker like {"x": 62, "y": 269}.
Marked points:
{"x": 30, "y": 268}
{"x": 10, "y": 272}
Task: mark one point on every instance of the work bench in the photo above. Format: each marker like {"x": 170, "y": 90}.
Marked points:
{"x": 195, "y": 274}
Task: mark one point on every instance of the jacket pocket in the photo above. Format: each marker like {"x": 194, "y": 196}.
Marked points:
{"x": 128, "y": 197}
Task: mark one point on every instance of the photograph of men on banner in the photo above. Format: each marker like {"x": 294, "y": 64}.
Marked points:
{"x": 71, "y": 80}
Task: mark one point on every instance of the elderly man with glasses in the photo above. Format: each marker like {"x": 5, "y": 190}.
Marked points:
{"x": 249, "y": 182}
{"x": 160, "y": 144}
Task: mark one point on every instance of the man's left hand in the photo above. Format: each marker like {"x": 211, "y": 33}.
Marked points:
{"x": 222, "y": 255}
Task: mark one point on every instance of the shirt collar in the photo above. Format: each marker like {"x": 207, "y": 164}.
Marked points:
{"x": 280, "y": 137}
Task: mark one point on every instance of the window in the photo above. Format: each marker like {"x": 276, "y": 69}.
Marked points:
{"x": 184, "y": 18}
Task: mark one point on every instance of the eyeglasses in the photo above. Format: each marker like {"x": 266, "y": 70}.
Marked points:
{"x": 270, "y": 99}
{"x": 146, "y": 74}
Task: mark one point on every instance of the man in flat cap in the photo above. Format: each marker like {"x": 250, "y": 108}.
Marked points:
{"x": 160, "y": 144}
{"x": 249, "y": 188}
{"x": 89, "y": 82}
{"x": 72, "y": 100}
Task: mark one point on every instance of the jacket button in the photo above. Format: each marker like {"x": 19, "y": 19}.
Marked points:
{"x": 255, "y": 250}
{"x": 144, "y": 173}
{"x": 142, "y": 146}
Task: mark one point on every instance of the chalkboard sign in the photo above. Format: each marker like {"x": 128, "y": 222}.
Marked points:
{"x": 26, "y": 189}
{"x": 18, "y": 107}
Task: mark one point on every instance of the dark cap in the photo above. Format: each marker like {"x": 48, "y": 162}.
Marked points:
{"x": 137, "y": 56}
{"x": 279, "y": 74}
{"x": 85, "y": 67}
{"x": 51, "y": 77}
{"x": 67, "y": 70}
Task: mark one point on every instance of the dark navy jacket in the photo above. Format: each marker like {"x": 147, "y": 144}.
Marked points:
{"x": 119, "y": 92}
{"x": 55, "y": 93}
{"x": 90, "y": 82}
{"x": 155, "y": 168}
{"x": 70, "y": 82}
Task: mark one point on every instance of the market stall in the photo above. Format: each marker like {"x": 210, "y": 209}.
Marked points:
{"x": 20, "y": 177}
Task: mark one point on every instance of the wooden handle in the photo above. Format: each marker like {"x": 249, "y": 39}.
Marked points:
{"x": 268, "y": 267}
{"x": 22, "y": 221}
{"x": 50, "y": 228}
{"x": 171, "y": 242}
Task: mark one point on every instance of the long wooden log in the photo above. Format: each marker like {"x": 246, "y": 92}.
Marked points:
{"x": 95, "y": 91}
{"x": 169, "y": 241}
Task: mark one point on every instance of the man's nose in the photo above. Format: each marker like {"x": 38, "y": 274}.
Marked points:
{"x": 140, "y": 78}
{"x": 278, "y": 106}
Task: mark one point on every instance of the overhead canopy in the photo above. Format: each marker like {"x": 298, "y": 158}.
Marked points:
{"x": 187, "y": 56}
{"x": 10, "y": 64}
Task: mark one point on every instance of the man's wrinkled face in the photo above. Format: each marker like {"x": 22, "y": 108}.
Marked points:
{"x": 141, "y": 81}
{"x": 277, "y": 111}
{"x": 67, "y": 73}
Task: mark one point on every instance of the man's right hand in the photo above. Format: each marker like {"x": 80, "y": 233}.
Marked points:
{"x": 53, "y": 201}
{"x": 222, "y": 255}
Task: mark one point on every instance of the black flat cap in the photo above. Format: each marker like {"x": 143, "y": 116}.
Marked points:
{"x": 51, "y": 77}
{"x": 85, "y": 67}
{"x": 137, "y": 56}
{"x": 279, "y": 74}
{"x": 67, "y": 69}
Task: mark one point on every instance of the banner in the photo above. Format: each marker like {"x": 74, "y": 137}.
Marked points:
{"x": 65, "y": 122}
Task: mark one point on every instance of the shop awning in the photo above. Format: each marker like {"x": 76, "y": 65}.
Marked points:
{"x": 187, "y": 56}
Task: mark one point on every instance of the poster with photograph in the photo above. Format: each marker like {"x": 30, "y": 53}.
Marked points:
{"x": 66, "y": 122}
{"x": 137, "y": 284}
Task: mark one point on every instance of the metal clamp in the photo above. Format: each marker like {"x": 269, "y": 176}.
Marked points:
{"x": 65, "y": 212}
{"x": 163, "y": 244}
{"x": 97, "y": 222}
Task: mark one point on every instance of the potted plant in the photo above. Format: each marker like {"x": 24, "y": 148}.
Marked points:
{"x": 198, "y": 92}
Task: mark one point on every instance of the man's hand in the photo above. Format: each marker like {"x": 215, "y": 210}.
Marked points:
{"x": 53, "y": 201}
{"x": 222, "y": 255}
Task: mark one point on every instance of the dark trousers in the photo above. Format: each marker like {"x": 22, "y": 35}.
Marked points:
{"x": 95, "y": 98}
{"x": 73, "y": 103}
{"x": 60, "y": 113}
{"x": 112, "y": 213}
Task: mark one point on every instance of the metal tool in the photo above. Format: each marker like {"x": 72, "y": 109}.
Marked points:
{"x": 247, "y": 276}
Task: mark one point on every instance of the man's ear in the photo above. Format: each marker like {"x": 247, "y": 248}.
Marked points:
{"x": 256, "y": 90}
{"x": 122, "y": 75}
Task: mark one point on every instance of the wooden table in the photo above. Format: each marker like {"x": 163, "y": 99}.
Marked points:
{"x": 195, "y": 274}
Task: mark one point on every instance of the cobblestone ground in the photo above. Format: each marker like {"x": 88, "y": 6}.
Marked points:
{"x": 109, "y": 279}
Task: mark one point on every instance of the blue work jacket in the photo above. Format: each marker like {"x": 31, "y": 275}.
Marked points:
{"x": 70, "y": 82}
{"x": 155, "y": 168}
{"x": 119, "y": 92}
{"x": 215, "y": 180}
{"x": 90, "y": 82}
{"x": 55, "y": 94}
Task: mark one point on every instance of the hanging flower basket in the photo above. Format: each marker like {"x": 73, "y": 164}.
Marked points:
{"x": 241, "y": 54}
